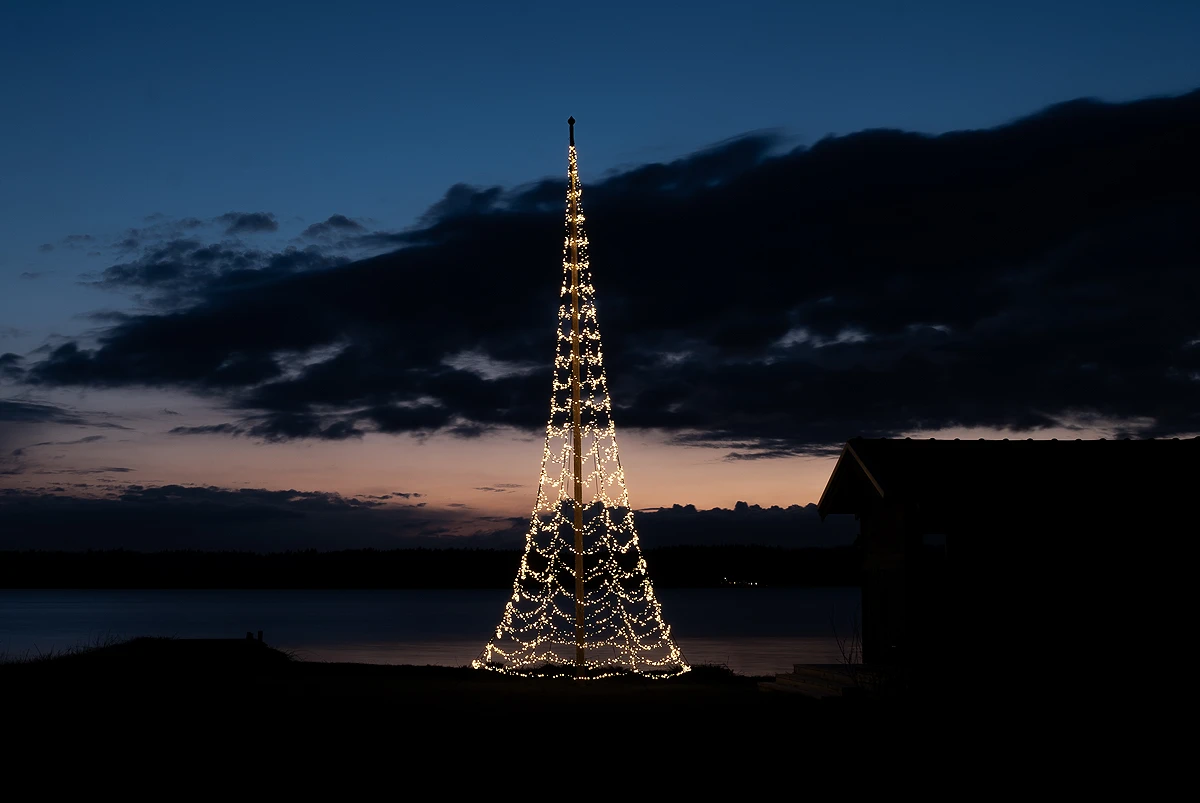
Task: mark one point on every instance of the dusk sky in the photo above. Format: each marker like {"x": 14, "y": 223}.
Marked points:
{"x": 316, "y": 247}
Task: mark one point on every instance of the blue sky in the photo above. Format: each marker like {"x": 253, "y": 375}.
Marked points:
{"x": 116, "y": 111}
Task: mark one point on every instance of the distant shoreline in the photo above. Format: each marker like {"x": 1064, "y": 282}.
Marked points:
{"x": 670, "y": 567}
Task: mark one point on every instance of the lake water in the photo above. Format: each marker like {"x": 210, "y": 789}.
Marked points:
{"x": 753, "y": 631}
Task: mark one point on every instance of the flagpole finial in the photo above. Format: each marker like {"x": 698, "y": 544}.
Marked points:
{"x": 571, "y": 122}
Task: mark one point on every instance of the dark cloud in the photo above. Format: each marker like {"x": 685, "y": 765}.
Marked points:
{"x": 377, "y": 240}
{"x": 31, "y": 412}
{"x": 16, "y": 417}
{"x": 32, "y": 274}
{"x": 77, "y": 241}
{"x": 761, "y": 449}
{"x": 46, "y": 247}
{"x": 291, "y": 426}
{"x": 208, "y": 429}
{"x": 463, "y": 200}
{"x": 87, "y": 439}
{"x": 793, "y": 526}
{"x": 165, "y": 411}
{"x": 84, "y": 471}
{"x": 771, "y": 304}
{"x": 10, "y": 366}
{"x": 248, "y": 222}
{"x": 278, "y": 428}
{"x": 182, "y": 271}
{"x": 184, "y": 517}
{"x": 100, "y": 316}
{"x": 160, "y": 229}
{"x": 334, "y": 225}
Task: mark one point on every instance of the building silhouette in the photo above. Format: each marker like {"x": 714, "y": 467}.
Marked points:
{"x": 977, "y": 553}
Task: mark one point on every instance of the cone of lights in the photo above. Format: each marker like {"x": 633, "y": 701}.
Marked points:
{"x": 582, "y": 602}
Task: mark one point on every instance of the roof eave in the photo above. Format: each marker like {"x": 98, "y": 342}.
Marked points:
{"x": 825, "y": 501}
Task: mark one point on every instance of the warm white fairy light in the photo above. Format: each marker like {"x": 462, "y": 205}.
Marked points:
{"x": 623, "y": 625}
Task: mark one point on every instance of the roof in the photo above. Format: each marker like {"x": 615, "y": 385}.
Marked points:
{"x": 959, "y": 473}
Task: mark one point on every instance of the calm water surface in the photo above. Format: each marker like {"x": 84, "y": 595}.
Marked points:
{"x": 754, "y": 631}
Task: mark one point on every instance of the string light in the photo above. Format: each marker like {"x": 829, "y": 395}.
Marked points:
{"x": 623, "y": 628}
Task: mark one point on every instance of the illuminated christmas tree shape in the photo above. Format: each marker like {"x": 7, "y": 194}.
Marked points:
{"x": 582, "y": 598}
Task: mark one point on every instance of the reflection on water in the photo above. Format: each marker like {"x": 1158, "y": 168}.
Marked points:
{"x": 753, "y": 631}
{"x": 746, "y": 656}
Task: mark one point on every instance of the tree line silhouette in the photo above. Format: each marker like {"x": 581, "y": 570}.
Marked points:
{"x": 673, "y": 566}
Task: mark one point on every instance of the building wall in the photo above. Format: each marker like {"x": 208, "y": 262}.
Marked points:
{"x": 906, "y": 590}
{"x": 884, "y": 588}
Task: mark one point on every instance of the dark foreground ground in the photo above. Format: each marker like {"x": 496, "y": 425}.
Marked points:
{"x": 144, "y": 678}
{"x": 260, "y": 710}
{"x": 181, "y": 719}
